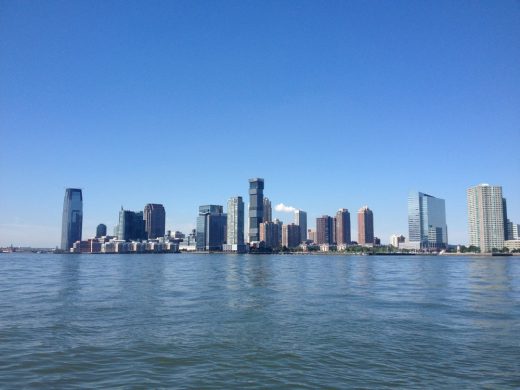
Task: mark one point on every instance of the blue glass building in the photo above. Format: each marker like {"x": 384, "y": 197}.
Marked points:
{"x": 211, "y": 228}
{"x": 427, "y": 221}
{"x": 131, "y": 226}
{"x": 72, "y": 219}
{"x": 256, "y": 208}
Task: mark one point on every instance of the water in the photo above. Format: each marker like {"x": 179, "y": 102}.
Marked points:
{"x": 242, "y": 321}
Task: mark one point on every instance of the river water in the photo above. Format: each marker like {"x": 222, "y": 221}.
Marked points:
{"x": 264, "y": 321}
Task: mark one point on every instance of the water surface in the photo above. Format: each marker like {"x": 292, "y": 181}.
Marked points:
{"x": 245, "y": 321}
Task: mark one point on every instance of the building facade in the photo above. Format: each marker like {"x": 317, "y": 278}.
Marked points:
{"x": 131, "y": 226}
{"x": 268, "y": 211}
{"x": 343, "y": 227}
{"x": 324, "y": 230}
{"x": 427, "y": 221}
{"x": 211, "y": 228}
{"x": 485, "y": 217}
{"x": 235, "y": 225}
{"x": 72, "y": 218}
{"x": 365, "y": 226}
{"x": 300, "y": 219}
{"x": 397, "y": 240}
{"x": 291, "y": 235}
{"x": 270, "y": 234}
{"x": 155, "y": 220}
{"x": 256, "y": 208}
{"x": 101, "y": 230}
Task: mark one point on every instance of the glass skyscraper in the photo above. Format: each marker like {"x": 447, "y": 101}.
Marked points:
{"x": 300, "y": 219}
{"x": 72, "y": 220}
{"x": 427, "y": 221}
{"x": 211, "y": 228}
{"x": 131, "y": 226}
{"x": 155, "y": 220}
{"x": 256, "y": 208}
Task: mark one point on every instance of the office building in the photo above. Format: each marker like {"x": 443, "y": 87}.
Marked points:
{"x": 397, "y": 240}
{"x": 72, "y": 218}
{"x": 311, "y": 235}
{"x": 270, "y": 234}
{"x": 343, "y": 227}
{"x": 427, "y": 221}
{"x": 300, "y": 219}
{"x": 101, "y": 230}
{"x": 365, "y": 226}
{"x": 235, "y": 225}
{"x": 268, "y": 211}
{"x": 324, "y": 230}
{"x": 256, "y": 208}
{"x": 280, "y": 225}
{"x": 291, "y": 235}
{"x": 485, "y": 217}
{"x": 155, "y": 220}
{"x": 131, "y": 226}
{"x": 211, "y": 228}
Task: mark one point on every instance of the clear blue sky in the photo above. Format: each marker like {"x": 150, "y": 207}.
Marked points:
{"x": 335, "y": 103}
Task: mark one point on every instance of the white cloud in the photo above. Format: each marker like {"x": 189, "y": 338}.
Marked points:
{"x": 285, "y": 209}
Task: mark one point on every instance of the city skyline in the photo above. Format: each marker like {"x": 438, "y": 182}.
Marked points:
{"x": 328, "y": 85}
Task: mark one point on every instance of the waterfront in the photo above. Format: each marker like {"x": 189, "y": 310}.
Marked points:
{"x": 235, "y": 321}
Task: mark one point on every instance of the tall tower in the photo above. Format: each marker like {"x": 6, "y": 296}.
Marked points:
{"x": 155, "y": 220}
{"x": 268, "y": 211}
{"x": 235, "y": 221}
{"x": 324, "y": 230}
{"x": 300, "y": 219}
{"x": 485, "y": 217}
{"x": 343, "y": 227}
{"x": 427, "y": 221}
{"x": 72, "y": 220}
{"x": 365, "y": 226}
{"x": 211, "y": 228}
{"x": 256, "y": 207}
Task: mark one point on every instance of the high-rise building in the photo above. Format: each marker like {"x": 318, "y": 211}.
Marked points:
{"x": 311, "y": 235}
{"x": 291, "y": 235}
{"x": 131, "y": 225}
{"x": 72, "y": 219}
{"x": 280, "y": 225}
{"x": 300, "y": 219}
{"x": 486, "y": 217}
{"x": 343, "y": 227}
{"x": 155, "y": 220}
{"x": 427, "y": 221}
{"x": 395, "y": 240}
{"x": 365, "y": 226}
{"x": 235, "y": 225}
{"x": 268, "y": 211}
{"x": 211, "y": 228}
{"x": 256, "y": 207}
{"x": 270, "y": 234}
{"x": 101, "y": 230}
{"x": 504, "y": 217}
{"x": 324, "y": 230}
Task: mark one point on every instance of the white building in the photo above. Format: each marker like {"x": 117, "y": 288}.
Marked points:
{"x": 486, "y": 217}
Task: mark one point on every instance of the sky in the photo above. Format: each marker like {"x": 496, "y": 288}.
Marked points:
{"x": 334, "y": 103}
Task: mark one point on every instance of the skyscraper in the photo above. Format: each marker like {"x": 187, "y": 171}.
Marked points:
{"x": 268, "y": 211}
{"x": 131, "y": 225}
{"x": 256, "y": 207}
{"x": 485, "y": 217}
{"x": 343, "y": 227}
{"x": 235, "y": 225}
{"x": 324, "y": 230}
{"x": 72, "y": 219}
{"x": 365, "y": 226}
{"x": 101, "y": 230}
{"x": 211, "y": 228}
{"x": 300, "y": 219}
{"x": 427, "y": 221}
{"x": 155, "y": 220}
{"x": 291, "y": 235}
{"x": 270, "y": 234}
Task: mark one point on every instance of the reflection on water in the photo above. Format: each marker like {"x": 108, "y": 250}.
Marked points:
{"x": 237, "y": 321}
